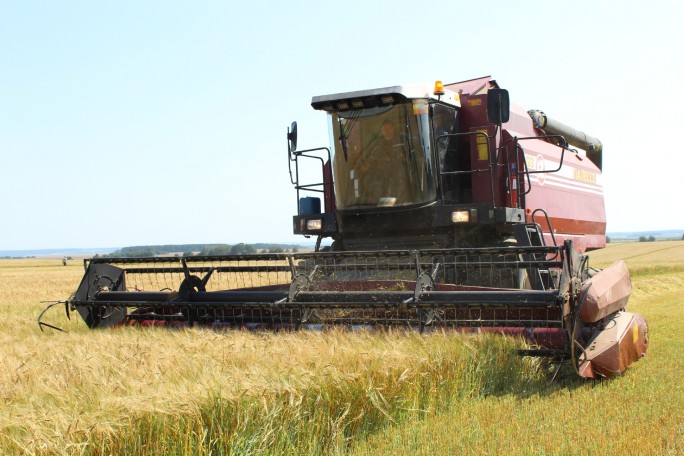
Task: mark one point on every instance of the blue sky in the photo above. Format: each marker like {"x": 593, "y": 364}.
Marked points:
{"x": 129, "y": 123}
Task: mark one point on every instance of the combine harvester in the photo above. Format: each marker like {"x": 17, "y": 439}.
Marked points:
{"x": 445, "y": 207}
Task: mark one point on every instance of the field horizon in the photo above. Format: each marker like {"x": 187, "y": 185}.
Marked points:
{"x": 84, "y": 252}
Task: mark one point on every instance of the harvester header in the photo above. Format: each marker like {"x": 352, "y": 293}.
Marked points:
{"x": 435, "y": 206}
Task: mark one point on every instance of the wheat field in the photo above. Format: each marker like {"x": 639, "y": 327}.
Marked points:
{"x": 192, "y": 391}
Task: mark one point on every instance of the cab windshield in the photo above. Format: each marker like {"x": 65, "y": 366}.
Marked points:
{"x": 382, "y": 156}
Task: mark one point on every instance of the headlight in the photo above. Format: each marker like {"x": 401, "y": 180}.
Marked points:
{"x": 460, "y": 216}
{"x": 313, "y": 225}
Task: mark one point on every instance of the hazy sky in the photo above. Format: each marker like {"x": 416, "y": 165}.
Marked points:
{"x": 128, "y": 123}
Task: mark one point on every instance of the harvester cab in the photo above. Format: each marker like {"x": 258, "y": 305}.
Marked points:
{"x": 453, "y": 166}
{"x": 431, "y": 198}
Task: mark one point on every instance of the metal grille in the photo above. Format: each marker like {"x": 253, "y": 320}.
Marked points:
{"x": 227, "y": 272}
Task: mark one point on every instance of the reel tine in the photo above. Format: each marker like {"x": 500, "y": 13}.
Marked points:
{"x": 42, "y": 324}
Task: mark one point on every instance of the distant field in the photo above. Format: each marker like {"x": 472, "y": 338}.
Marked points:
{"x": 132, "y": 391}
{"x": 641, "y": 254}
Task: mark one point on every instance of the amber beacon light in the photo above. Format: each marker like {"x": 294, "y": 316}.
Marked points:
{"x": 439, "y": 88}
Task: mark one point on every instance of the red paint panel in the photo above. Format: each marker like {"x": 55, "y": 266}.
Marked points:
{"x": 572, "y": 197}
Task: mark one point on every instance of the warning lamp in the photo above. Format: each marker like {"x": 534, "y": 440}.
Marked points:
{"x": 439, "y": 88}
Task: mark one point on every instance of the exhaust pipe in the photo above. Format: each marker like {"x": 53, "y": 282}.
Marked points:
{"x": 573, "y": 137}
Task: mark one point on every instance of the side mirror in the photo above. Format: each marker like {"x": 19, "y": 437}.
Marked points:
{"x": 292, "y": 138}
{"x": 498, "y": 106}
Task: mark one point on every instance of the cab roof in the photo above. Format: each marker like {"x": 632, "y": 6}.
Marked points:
{"x": 382, "y": 96}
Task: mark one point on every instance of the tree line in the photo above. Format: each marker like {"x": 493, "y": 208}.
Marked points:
{"x": 201, "y": 249}
{"x": 647, "y": 239}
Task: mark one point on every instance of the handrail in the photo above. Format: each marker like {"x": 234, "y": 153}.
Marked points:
{"x": 309, "y": 187}
{"x": 564, "y": 146}
{"x": 548, "y": 224}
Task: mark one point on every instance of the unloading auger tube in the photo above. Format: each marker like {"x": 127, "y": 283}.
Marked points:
{"x": 566, "y": 315}
{"x": 573, "y": 137}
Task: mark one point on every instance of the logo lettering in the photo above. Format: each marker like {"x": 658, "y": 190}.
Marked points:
{"x": 584, "y": 176}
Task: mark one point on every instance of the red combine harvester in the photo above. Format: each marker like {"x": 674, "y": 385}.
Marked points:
{"x": 445, "y": 207}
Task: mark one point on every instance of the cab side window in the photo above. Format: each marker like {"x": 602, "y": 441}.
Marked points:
{"x": 456, "y": 188}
